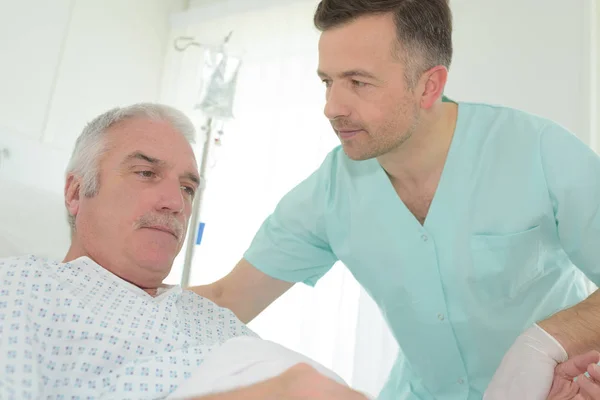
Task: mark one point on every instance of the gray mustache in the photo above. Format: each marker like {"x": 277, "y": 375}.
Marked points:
{"x": 170, "y": 222}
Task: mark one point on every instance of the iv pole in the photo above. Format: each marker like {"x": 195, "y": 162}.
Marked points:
{"x": 191, "y": 237}
{"x": 208, "y": 142}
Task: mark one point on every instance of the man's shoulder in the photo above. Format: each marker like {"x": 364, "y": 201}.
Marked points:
{"x": 328, "y": 186}
{"x": 494, "y": 113}
{"x": 23, "y": 276}
{"x": 498, "y": 127}
{"x": 26, "y": 259}
{"x": 337, "y": 166}
{"x": 24, "y": 263}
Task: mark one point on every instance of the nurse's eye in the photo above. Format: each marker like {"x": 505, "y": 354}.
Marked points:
{"x": 358, "y": 84}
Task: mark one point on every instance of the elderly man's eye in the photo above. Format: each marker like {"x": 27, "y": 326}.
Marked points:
{"x": 146, "y": 174}
{"x": 189, "y": 190}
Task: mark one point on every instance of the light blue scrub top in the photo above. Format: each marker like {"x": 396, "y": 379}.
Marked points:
{"x": 514, "y": 222}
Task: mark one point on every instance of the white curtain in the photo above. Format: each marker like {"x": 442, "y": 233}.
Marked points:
{"x": 278, "y": 137}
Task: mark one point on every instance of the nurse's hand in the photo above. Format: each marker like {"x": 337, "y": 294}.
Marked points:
{"x": 527, "y": 369}
{"x": 570, "y": 383}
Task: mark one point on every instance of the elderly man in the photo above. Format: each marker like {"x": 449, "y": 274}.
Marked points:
{"x": 578, "y": 378}
{"x": 100, "y": 324}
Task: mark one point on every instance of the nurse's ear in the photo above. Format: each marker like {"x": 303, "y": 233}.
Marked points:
{"x": 72, "y": 194}
{"x": 431, "y": 86}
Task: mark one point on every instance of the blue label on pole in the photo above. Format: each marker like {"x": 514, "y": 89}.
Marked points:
{"x": 200, "y": 232}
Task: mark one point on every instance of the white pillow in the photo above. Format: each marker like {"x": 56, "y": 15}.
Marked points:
{"x": 8, "y": 247}
{"x": 32, "y": 221}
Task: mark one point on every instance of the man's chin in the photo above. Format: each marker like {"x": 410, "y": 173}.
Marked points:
{"x": 157, "y": 260}
{"x": 356, "y": 154}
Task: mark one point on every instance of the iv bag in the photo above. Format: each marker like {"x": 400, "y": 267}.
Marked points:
{"x": 219, "y": 79}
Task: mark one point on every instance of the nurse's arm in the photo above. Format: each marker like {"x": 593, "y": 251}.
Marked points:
{"x": 577, "y": 328}
{"x": 572, "y": 179}
{"x": 246, "y": 291}
{"x": 572, "y": 172}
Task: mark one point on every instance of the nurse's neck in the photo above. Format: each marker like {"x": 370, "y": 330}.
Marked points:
{"x": 421, "y": 158}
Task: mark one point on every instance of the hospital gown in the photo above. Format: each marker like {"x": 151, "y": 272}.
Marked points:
{"x": 76, "y": 331}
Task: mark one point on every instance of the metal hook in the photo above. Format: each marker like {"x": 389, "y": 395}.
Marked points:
{"x": 189, "y": 42}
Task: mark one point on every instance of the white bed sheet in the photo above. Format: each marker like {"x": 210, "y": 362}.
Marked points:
{"x": 241, "y": 362}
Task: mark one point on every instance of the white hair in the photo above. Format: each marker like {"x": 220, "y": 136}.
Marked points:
{"x": 91, "y": 143}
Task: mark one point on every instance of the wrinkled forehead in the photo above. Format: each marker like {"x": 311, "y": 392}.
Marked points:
{"x": 157, "y": 138}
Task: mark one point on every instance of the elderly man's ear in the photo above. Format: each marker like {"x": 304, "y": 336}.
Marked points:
{"x": 72, "y": 194}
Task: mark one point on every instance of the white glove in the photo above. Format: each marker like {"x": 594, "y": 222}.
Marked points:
{"x": 527, "y": 369}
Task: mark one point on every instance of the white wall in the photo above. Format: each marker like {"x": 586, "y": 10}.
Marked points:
{"x": 531, "y": 54}
{"x": 199, "y": 3}
{"x": 65, "y": 61}
{"x": 535, "y": 55}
